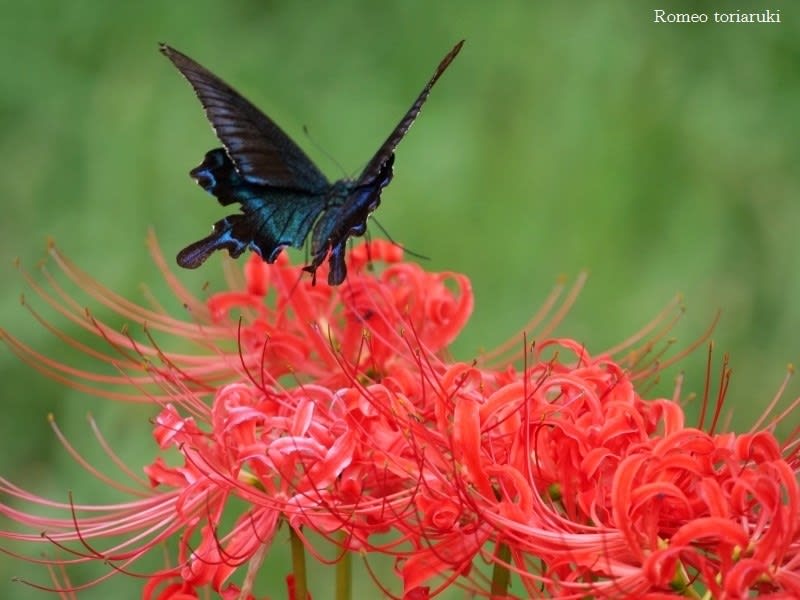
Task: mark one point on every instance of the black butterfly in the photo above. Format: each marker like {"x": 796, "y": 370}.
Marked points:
{"x": 281, "y": 192}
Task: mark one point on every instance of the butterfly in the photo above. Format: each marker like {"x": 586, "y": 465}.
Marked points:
{"x": 282, "y": 193}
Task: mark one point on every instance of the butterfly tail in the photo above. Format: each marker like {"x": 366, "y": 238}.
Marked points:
{"x": 227, "y": 233}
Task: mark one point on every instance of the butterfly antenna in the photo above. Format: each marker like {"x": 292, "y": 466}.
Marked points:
{"x": 403, "y": 248}
{"x": 324, "y": 152}
{"x": 368, "y": 238}
{"x": 296, "y": 284}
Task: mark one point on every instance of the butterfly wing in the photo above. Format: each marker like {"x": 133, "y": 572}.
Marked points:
{"x": 273, "y": 217}
{"x": 375, "y": 166}
{"x": 338, "y": 224}
{"x": 280, "y": 190}
{"x": 260, "y": 150}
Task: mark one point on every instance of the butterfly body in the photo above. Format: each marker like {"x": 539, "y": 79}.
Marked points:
{"x": 283, "y": 196}
{"x": 346, "y": 219}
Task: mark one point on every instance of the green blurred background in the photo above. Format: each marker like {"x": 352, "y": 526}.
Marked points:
{"x": 566, "y": 136}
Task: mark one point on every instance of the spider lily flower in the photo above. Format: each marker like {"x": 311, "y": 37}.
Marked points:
{"x": 591, "y": 490}
{"x": 279, "y": 407}
{"x": 339, "y": 412}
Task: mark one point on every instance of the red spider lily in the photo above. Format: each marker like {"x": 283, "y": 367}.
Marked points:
{"x": 593, "y": 490}
{"x": 315, "y": 450}
{"x": 340, "y": 411}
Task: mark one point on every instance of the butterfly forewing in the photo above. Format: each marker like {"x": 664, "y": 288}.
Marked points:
{"x": 259, "y": 149}
{"x": 336, "y": 226}
{"x": 375, "y": 165}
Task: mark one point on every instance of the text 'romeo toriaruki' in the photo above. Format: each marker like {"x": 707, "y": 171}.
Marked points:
{"x": 737, "y": 16}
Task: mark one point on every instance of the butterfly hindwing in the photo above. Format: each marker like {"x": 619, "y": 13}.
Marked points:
{"x": 272, "y": 217}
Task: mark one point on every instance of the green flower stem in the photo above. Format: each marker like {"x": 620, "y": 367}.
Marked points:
{"x": 501, "y": 576}
{"x": 299, "y": 566}
{"x": 344, "y": 574}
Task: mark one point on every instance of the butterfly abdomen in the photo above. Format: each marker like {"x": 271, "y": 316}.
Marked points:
{"x": 343, "y": 220}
